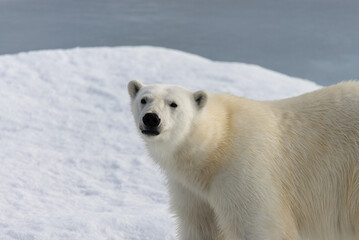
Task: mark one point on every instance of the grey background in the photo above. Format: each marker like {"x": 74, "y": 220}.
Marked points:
{"x": 313, "y": 39}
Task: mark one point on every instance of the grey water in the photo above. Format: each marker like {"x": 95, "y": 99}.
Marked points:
{"x": 312, "y": 39}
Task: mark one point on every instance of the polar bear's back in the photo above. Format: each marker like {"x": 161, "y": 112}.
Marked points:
{"x": 326, "y": 119}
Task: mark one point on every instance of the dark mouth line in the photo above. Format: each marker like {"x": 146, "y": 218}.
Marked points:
{"x": 150, "y": 132}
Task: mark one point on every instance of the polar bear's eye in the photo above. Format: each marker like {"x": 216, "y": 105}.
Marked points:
{"x": 143, "y": 101}
{"x": 173, "y": 105}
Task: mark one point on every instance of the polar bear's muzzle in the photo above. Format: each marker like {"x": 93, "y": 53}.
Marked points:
{"x": 151, "y": 123}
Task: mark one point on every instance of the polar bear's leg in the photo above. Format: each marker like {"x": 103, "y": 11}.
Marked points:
{"x": 195, "y": 217}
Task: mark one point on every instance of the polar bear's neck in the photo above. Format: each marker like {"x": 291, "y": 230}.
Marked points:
{"x": 203, "y": 153}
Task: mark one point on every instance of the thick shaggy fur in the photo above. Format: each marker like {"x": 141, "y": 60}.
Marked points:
{"x": 243, "y": 169}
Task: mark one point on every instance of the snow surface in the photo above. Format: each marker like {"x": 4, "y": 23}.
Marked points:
{"x": 72, "y": 163}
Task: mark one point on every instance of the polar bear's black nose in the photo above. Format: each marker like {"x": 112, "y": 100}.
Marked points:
{"x": 151, "y": 120}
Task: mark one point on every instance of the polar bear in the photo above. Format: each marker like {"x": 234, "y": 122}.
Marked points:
{"x": 244, "y": 169}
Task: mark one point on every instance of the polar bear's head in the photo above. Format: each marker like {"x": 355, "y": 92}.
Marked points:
{"x": 164, "y": 112}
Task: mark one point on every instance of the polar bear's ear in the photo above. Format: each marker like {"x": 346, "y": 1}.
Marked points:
{"x": 201, "y": 98}
{"x": 133, "y": 87}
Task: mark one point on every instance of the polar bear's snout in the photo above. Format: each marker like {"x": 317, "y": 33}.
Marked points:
{"x": 151, "y": 121}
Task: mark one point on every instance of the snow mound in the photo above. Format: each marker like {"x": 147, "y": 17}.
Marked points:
{"x": 72, "y": 163}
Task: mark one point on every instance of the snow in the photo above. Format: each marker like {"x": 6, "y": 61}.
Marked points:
{"x": 72, "y": 163}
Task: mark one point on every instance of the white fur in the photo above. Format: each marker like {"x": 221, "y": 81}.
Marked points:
{"x": 243, "y": 169}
